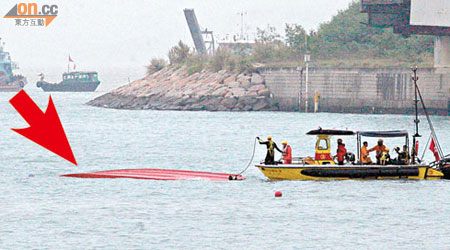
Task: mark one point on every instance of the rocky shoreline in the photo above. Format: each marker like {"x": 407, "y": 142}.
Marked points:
{"x": 175, "y": 89}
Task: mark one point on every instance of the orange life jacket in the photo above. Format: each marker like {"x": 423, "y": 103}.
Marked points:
{"x": 341, "y": 151}
{"x": 378, "y": 149}
{"x": 365, "y": 158}
{"x": 287, "y": 154}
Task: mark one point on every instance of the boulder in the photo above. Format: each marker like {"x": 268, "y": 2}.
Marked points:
{"x": 260, "y": 105}
{"x": 257, "y": 79}
{"x": 257, "y": 87}
{"x": 239, "y": 106}
{"x": 233, "y": 84}
{"x": 211, "y": 104}
{"x": 252, "y": 93}
{"x": 228, "y": 94}
{"x": 221, "y": 108}
{"x": 228, "y": 102}
{"x": 229, "y": 79}
{"x": 245, "y": 84}
{"x": 264, "y": 92}
{"x": 243, "y": 77}
{"x": 238, "y": 92}
{"x": 197, "y": 106}
{"x": 203, "y": 92}
{"x": 247, "y": 100}
{"x": 220, "y": 91}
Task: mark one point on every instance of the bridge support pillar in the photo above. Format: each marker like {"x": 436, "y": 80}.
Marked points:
{"x": 442, "y": 54}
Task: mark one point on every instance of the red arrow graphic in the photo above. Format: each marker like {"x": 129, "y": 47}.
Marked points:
{"x": 45, "y": 128}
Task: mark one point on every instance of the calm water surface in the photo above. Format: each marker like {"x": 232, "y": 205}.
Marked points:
{"x": 40, "y": 210}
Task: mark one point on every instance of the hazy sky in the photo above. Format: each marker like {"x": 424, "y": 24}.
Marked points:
{"x": 102, "y": 35}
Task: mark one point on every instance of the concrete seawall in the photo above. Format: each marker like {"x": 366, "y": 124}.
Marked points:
{"x": 362, "y": 90}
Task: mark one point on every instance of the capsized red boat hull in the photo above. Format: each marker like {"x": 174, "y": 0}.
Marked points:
{"x": 158, "y": 174}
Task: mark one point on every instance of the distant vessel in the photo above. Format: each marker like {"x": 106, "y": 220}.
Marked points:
{"x": 76, "y": 81}
{"x": 8, "y": 80}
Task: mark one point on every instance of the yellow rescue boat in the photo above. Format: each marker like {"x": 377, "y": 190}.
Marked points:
{"x": 323, "y": 167}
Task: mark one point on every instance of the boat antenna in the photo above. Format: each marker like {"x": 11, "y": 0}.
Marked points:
{"x": 430, "y": 124}
{"x": 415, "y": 78}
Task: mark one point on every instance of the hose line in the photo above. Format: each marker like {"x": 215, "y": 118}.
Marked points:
{"x": 231, "y": 177}
{"x": 251, "y": 160}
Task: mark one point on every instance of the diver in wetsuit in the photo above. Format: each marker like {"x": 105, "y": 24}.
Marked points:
{"x": 271, "y": 146}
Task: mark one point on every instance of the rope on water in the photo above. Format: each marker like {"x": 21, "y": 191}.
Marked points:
{"x": 234, "y": 177}
{"x": 251, "y": 160}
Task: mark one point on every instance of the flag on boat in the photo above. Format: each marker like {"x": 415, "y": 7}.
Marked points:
{"x": 71, "y": 61}
{"x": 434, "y": 149}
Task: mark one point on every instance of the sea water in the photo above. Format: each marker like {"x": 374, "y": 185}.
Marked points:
{"x": 40, "y": 210}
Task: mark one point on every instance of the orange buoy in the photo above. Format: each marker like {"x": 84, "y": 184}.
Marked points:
{"x": 278, "y": 194}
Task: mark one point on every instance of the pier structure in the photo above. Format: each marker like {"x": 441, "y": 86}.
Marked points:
{"x": 420, "y": 17}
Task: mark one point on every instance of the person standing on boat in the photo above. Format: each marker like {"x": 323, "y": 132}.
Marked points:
{"x": 271, "y": 146}
{"x": 403, "y": 156}
{"x": 379, "y": 148}
{"x": 287, "y": 153}
{"x": 341, "y": 152}
{"x": 365, "y": 156}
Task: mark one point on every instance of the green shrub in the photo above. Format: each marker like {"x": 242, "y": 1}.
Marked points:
{"x": 196, "y": 63}
{"x": 179, "y": 53}
{"x": 221, "y": 59}
{"x": 156, "y": 64}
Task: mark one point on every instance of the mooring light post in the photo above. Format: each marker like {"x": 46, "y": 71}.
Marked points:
{"x": 307, "y": 59}
{"x": 316, "y": 101}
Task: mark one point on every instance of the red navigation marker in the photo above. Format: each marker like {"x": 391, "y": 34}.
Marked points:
{"x": 45, "y": 128}
{"x": 158, "y": 174}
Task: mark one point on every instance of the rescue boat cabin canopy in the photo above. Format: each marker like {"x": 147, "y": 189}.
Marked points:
{"x": 330, "y": 132}
{"x": 382, "y": 134}
{"x": 323, "y": 149}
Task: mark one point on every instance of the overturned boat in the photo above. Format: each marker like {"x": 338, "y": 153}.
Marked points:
{"x": 323, "y": 167}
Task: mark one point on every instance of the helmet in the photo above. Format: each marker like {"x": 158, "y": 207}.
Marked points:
{"x": 284, "y": 142}
{"x": 380, "y": 140}
{"x": 339, "y": 140}
{"x": 269, "y": 137}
